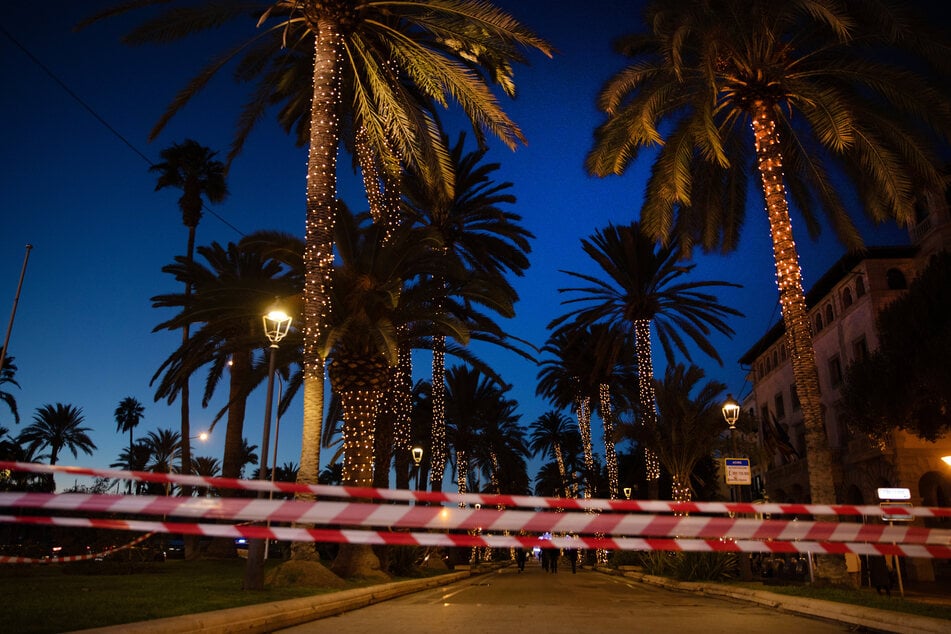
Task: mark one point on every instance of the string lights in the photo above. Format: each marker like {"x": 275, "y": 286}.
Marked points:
{"x": 610, "y": 454}
{"x": 439, "y": 409}
{"x": 583, "y": 411}
{"x": 793, "y": 302}
{"x": 645, "y": 383}
{"x": 360, "y": 408}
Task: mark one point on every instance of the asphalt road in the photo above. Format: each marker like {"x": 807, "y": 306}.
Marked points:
{"x": 509, "y": 602}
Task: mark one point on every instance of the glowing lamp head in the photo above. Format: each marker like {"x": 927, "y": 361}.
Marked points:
{"x": 277, "y": 323}
{"x": 731, "y": 411}
{"x": 417, "y": 454}
{"x": 627, "y": 492}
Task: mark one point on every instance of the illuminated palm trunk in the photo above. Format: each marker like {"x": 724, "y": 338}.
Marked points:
{"x": 439, "y": 412}
{"x": 583, "y": 411}
{"x": 360, "y": 407}
{"x": 319, "y": 229}
{"x": 610, "y": 454}
{"x": 648, "y": 401}
{"x": 793, "y": 302}
{"x": 560, "y": 461}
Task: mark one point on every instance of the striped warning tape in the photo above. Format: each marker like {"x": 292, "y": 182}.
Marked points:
{"x": 454, "y": 518}
{"x": 508, "y": 501}
{"x": 439, "y": 539}
{"x": 71, "y": 558}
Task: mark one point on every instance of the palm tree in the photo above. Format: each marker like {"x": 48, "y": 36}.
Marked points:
{"x": 128, "y": 415}
{"x": 561, "y": 381}
{"x": 7, "y": 372}
{"x": 810, "y": 94}
{"x": 57, "y": 427}
{"x": 645, "y": 289}
{"x": 230, "y": 293}
{"x": 192, "y": 168}
{"x": 401, "y": 54}
{"x": 689, "y": 423}
{"x": 136, "y": 457}
{"x": 475, "y": 230}
{"x": 548, "y": 433}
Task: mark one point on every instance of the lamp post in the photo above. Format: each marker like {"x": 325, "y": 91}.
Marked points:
{"x": 277, "y": 431}
{"x": 731, "y": 414}
{"x": 276, "y": 325}
{"x": 417, "y": 458}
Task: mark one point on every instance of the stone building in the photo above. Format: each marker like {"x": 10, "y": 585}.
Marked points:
{"x": 843, "y": 305}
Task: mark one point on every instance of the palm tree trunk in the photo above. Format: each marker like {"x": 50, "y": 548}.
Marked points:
{"x": 796, "y": 320}
{"x": 560, "y": 461}
{"x": 234, "y": 431}
{"x": 401, "y": 401}
{"x": 318, "y": 247}
{"x": 438, "y": 460}
{"x": 793, "y": 302}
{"x": 648, "y": 402}
{"x": 583, "y": 411}
{"x": 610, "y": 454}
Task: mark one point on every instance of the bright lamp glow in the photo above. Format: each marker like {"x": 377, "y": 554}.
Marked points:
{"x": 947, "y": 460}
{"x": 277, "y": 323}
{"x": 731, "y": 411}
{"x": 417, "y": 454}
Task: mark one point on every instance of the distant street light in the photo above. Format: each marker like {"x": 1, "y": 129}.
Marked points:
{"x": 627, "y": 492}
{"x": 417, "y": 458}
{"x": 277, "y": 323}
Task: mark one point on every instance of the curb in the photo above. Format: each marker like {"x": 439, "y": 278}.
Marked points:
{"x": 871, "y": 618}
{"x": 267, "y": 617}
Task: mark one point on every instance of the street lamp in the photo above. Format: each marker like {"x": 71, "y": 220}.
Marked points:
{"x": 277, "y": 323}
{"x": 947, "y": 460}
{"x": 627, "y": 492}
{"x": 731, "y": 411}
{"x": 417, "y": 458}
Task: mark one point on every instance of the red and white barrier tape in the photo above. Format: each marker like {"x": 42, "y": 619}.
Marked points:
{"x": 491, "y": 541}
{"x": 508, "y": 501}
{"x": 4, "y": 559}
{"x": 454, "y": 518}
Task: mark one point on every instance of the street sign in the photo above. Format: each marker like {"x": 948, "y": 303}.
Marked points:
{"x": 737, "y": 470}
{"x": 894, "y": 494}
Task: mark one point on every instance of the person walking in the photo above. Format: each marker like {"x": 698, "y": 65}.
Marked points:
{"x": 572, "y": 555}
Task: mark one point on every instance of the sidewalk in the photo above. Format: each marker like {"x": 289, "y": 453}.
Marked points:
{"x": 861, "y": 616}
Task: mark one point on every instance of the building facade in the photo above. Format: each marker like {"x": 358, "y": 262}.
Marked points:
{"x": 843, "y": 306}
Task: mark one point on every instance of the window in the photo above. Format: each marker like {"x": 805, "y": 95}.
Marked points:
{"x": 764, "y": 412}
{"x": 835, "y": 371}
{"x": 847, "y": 297}
{"x": 780, "y": 406}
{"x": 859, "y": 349}
{"x": 783, "y": 353}
{"x": 830, "y": 315}
{"x": 859, "y": 286}
{"x": 895, "y": 279}
{"x": 775, "y": 358}
{"x": 794, "y": 398}
{"x": 818, "y": 322}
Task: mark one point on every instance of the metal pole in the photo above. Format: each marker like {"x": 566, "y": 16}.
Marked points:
{"x": 277, "y": 431}
{"x": 16, "y": 300}
{"x": 254, "y": 570}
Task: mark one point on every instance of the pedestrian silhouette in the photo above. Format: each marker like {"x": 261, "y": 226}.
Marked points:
{"x": 572, "y": 555}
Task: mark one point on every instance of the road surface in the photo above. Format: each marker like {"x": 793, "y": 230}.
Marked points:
{"x": 509, "y": 602}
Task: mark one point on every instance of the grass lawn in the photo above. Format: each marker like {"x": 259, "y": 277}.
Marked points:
{"x": 66, "y": 597}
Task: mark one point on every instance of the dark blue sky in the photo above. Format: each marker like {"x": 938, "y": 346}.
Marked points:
{"x": 84, "y": 199}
